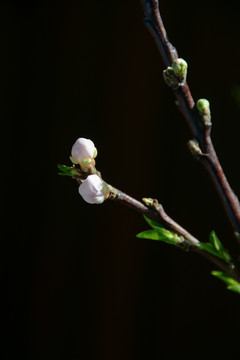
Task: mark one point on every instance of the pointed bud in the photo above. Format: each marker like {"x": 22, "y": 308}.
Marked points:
{"x": 176, "y": 74}
{"x": 179, "y": 66}
{"x": 83, "y": 149}
{"x": 194, "y": 148}
{"x": 203, "y": 107}
{"x": 94, "y": 190}
{"x": 148, "y": 201}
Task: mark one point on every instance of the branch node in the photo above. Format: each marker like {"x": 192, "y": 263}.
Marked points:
{"x": 184, "y": 245}
{"x": 194, "y": 149}
{"x": 113, "y": 193}
{"x": 153, "y": 203}
{"x": 176, "y": 74}
{"x": 170, "y": 78}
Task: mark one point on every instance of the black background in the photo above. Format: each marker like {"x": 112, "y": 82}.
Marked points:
{"x": 77, "y": 283}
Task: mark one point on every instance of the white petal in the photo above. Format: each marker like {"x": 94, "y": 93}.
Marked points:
{"x": 91, "y": 190}
{"x": 83, "y": 148}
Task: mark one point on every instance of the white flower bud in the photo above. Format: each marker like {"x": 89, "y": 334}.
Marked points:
{"x": 94, "y": 190}
{"x": 83, "y": 149}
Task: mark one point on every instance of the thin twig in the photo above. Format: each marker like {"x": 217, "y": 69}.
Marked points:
{"x": 158, "y": 213}
{"x": 187, "y": 106}
{"x": 172, "y": 225}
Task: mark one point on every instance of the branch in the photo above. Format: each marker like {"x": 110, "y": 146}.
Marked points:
{"x": 95, "y": 190}
{"x": 156, "y": 212}
{"x": 199, "y": 128}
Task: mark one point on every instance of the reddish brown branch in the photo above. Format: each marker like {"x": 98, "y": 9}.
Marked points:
{"x": 157, "y": 213}
{"x": 229, "y": 199}
{"x": 187, "y": 106}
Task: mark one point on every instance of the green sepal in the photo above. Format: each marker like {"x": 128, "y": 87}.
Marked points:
{"x": 215, "y": 247}
{"x": 67, "y": 170}
{"x": 159, "y": 233}
{"x": 232, "y": 284}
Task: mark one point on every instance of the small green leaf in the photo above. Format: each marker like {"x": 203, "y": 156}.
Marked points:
{"x": 63, "y": 174}
{"x": 215, "y": 247}
{"x": 224, "y": 277}
{"x": 155, "y": 235}
{"x": 159, "y": 233}
{"x": 209, "y": 248}
{"x": 235, "y": 288}
{"x": 154, "y": 224}
{"x": 148, "y": 234}
{"x": 214, "y": 240}
{"x": 232, "y": 284}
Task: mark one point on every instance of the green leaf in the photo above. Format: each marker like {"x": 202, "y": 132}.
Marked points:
{"x": 224, "y": 277}
{"x": 155, "y": 235}
{"x": 154, "y": 224}
{"x": 214, "y": 240}
{"x": 159, "y": 233}
{"x": 215, "y": 247}
{"x": 209, "y": 248}
{"x": 232, "y": 284}
{"x": 235, "y": 288}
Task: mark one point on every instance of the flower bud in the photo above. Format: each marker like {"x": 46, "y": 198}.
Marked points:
{"x": 94, "y": 190}
{"x": 83, "y": 151}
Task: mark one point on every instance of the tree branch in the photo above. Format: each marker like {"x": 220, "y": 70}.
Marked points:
{"x": 153, "y": 210}
{"x": 201, "y": 132}
{"x": 156, "y": 212}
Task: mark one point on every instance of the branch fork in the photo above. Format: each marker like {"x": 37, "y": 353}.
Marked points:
{"x": 198, "y": 118}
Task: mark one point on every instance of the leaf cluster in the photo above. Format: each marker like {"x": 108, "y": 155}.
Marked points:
{"x": 159, "y": 233}
{"x": 215, "y": 247}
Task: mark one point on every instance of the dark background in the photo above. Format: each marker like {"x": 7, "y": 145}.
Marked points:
{"x": 77, "y": 283}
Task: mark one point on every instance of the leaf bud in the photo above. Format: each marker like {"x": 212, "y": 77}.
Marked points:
{"x": 194, "y": 148}
{"x": 203, "y": 106}
{"x": 179, "y": 66}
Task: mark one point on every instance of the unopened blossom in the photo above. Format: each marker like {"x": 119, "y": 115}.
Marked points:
{"x": 94, "y": 190}
{"x": 83, "y": 152}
